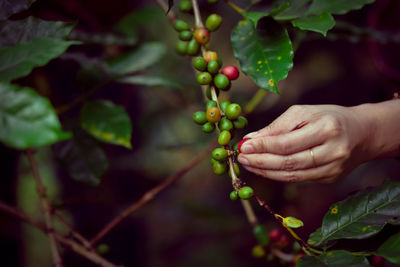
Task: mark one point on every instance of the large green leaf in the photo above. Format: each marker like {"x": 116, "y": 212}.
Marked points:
{"x": 336, "y": 6}
{"x": 107, "y": 122}
{"x": 129, "y": 24}
{"x": 10, "y": 7}
{"x": 265, "y": 53}
{"x": 318, "y": 23}
{"x": 82, "y": 157}
{"x": 391, "y": 249}
{"x": 297, "y": 9}
{"x": 361, "y": 215}
{"x": 27, "y": 119}
{"x": 335, "y": 258}
{"x": 151, "y": 81}
{"x": 139, "y": 59}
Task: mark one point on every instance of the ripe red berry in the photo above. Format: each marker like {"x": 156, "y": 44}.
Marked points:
{"x": 275, "y": 235}
{"x": 202, "y": 35}
{"x": 378, "y": 261}
{"x": 231, "y": 72}
{"x": 241, "y": 143}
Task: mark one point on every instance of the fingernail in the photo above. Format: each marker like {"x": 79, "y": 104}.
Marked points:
{"x": 250, "y": 135}
{"x": 243, "y": 160}
{"x": 247, "y": 148}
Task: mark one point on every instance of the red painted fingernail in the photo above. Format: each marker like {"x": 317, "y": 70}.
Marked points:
{"x": 241, "y": 143}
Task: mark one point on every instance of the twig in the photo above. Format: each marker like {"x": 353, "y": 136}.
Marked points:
{"x": 255, "y": 101}
{"x": 282, "y": 255}
{"x": 41, "y": 189}
{"x": 60, "y": 238}
{"x": 151, "y": 194}
{"x": 197, "y": 17}
{"x": 171, "y": 16}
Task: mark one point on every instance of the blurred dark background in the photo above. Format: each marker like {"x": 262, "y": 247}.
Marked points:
{"x": 193, "y": 222}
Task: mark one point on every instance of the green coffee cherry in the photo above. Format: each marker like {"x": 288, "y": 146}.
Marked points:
{"x": 208, "y": 92}
{"x": 208, "y": 127}
{"x": 185, "y": 35}
{"x": 235, "y": 147}
{"x": 180, "y": 25}
{"x": 213, "y": 22}
{"x": 192, "y": 48}
{"x": 220, "y": 168}
{"x": 204, "y": 78}
{"x": 258, "y": 252}
{"x": 199, "y": 63}
{"x": 185, "y": 5}
{"x": 240, "y": 122}
{"x": 211, "y": 103}
{"x": 213, "y": 67}
{"x": 233, "y": 111}
{"x": 212, "y": 1}
{"x": 224, "y": 138}
{"x": 181, "y": 47}
{"x": 225, "y": 124}
{"x": 261, "y": 234}
{"x": 246, "y": 192}
{"x": 219, "y": 154}
{"x": 200, "y": 117}
{"x": 234, "y": 195}
{"x": 103, "y": 249}
{"x": 224, "y": 104}
{"x": 221, "y": 81}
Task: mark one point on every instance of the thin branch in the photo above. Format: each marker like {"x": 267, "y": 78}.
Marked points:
{"x": 41, "y": 189}
{"x": 171, "y": 15}
{"x": 255, "y": 101}
{"x": 151, "y": 194}
{"x": 197, "y": 16}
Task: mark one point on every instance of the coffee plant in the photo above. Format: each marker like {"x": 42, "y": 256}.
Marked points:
{"x": 264, "y": 41}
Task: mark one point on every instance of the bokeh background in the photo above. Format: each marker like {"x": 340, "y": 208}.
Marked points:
{"x": 193, "y": 222}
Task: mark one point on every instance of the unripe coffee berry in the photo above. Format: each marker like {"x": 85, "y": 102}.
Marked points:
{"x": 204, "y": 78}
{"x": 258, "y": 252}
{"x": 208, "y": 92}
{"x": 185, "y": 5}
{"x": 224, "y": 138}
{"x": 211, "y": 56}
{"x": 234, "y": 195}
{"x": 180, "y": 25}
{"x": 185, "y": 35}
{"x": 103, "y": 249}
{"x": 208, "y": 127}
{"x": 231, "y": 72}
{"x": 213, "y": 22}
{"x": 192, "y": 48}
{"x": 225, "y": 124}
{"x": 213, "y": 67}
{"x": 181, "y": 47}
{"x": 213, "y": 114}
{"x": 220, "y": 168}
{"x": 219, "y": 153}
{"x": 200, "y": 117}
{"x": 233, "y": 111}
{"x": 261, "y": 234}
{"x": 221, "y": 81}
{"x": 224, "y": 104}
{"x": 246, "y": 192}
{"x": 199, "y": 63}
{"x": 240, "y": 122}
{"x": 201, "y": 35}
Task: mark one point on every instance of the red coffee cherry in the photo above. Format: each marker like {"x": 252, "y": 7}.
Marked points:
{"x": 275, "y": 235}
{"x": 202, "y": 35}
{"x": 231, "y": 72}
{"x": 241, "y": 143}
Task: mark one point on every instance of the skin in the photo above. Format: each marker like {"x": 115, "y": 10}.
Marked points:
{"x": 341, "y": 138}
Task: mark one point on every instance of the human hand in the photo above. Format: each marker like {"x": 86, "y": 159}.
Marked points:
{"x": 321, "y": 142}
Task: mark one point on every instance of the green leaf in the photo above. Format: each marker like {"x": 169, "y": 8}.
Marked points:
{"x": 279, "y": 6}
{"x": 254, "y": 16}
{"x": 27, "y": 119}
{"x": 318, "y": 23}
{"x": 139, "y": 59}
{"x": 107, "y": 122}
{"x": 336, "y": 6}
{"x": 390, "y": 250}
{"x": 151, "y": 81}
{"x": 10, "y": 7}
{"x": 82, "y": 157}
{"x": 264, "y": 53}
{"x": 361, "y": 215}
{"x": 297, "y": 9}
{"x": 335, "y": 258}
{"x": 292, "y": 222}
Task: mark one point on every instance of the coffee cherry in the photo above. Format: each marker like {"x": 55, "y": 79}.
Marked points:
{"x": 224, "y": 104}
{"x": 200, "y": 117}
{"x": 283, "y": 242}
{"x": 213, "y": 114}
{"x": 258, "y": 252}
{"x": 213, "y": 22}
{"x": 180, "y": 25}
{"x": 296, "y": 247}
{"x": 378, "y": 261}
{"x": 208, "y": 92}
{"x": 236, "y": 168}
{"x": 202, "y": 35}
{"x": 210, "y": 104}
{"x": 220, "y": 168}
{"x": 185, "y": 5}
{"x": 204, "y": 78}
{"x": 233, "y": 111}
{"x": 234, "y": 195}
{"x": 208, "y": 127}
{"x": 199, "y": 63}
{"x": 212, "y": 1}
{"x": 240, "y": 122}
{"x": 211, "y": 56}
{"x": 235, "y": 147}
{"x": 103, "y": 249}
{"x": 261, "y": 234}
{"x": 224, "y": 138}
{"x": 181, "y": 47}
{"x": 219, "y": 153}
{"x": 221, "y": 81}
{"x": 231, "y": 72}
{"x": 213, "y": 67}
{"x": 185, "y": 35}
{"x": 275, "y": 235}
{"x": 241, "y": 143}
{"x": 225, "y": 124}
{"x": 192, "y": 48}
{"x": 246, "y": 192}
